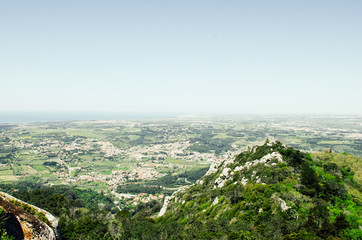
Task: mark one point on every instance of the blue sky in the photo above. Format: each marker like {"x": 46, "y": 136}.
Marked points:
{"x": 237, "y": 57}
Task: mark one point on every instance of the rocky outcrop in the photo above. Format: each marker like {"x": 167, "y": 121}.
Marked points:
{"x": 270, "y": 159}
{"x": 164, "y": 206}
{"x": 26, "y": 221}
{"x": 169, "y": 198}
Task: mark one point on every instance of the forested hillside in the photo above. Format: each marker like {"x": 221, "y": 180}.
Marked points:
{"x": 267, "y": 192}
{"x": 273, "y": 192}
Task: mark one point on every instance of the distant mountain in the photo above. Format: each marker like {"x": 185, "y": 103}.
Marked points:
{"x": 20, "y": 220}
{"x": 267, "y": 192}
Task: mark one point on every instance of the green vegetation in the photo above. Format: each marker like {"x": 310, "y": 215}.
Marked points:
{"x": 164, "y": 185}
{"x": 181, "y": 179}
{"x": 57, "y": 198}
{"x": 48, "y": 150}
{"x": 302, "y": 198}
{"x": 142, "y": 188}
{"x": 72, "y": 169}
{"x": 31, "y": 210}
{"x": 83, "y": 213}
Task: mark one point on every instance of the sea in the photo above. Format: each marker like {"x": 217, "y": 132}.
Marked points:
{"x": 33, "y": 117}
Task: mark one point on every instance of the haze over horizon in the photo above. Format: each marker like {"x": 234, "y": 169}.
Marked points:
{"x": 209, "y": 57}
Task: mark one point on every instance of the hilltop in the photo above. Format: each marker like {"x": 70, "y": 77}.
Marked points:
{"x": 269, "y": 192}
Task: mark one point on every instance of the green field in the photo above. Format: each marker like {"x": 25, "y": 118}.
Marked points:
{"x": 47, "y": 150}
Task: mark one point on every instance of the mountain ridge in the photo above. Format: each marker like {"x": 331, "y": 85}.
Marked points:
{"x": 269, "y": 191}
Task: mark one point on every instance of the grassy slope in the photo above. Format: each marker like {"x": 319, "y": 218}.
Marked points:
{"x": 315, "y": 190}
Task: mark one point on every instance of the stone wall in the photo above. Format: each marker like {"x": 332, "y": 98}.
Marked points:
{"x": 24, "y": 225}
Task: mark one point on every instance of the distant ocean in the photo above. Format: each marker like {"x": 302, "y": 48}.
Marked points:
{"x": 31, "y": 117}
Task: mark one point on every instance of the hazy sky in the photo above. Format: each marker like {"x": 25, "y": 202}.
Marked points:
{"x": 181, "y": 56}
